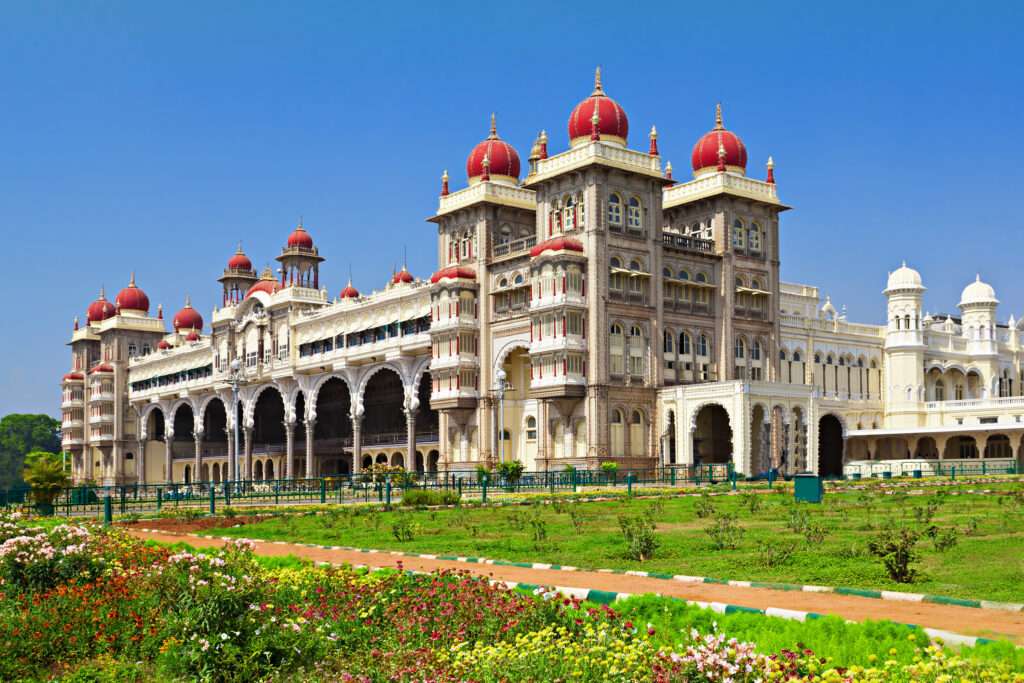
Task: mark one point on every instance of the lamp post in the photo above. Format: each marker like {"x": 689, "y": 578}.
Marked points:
{"x": 235, "y": 374}
{"x": 501, "y": 385}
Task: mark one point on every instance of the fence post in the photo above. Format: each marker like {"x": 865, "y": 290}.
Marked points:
{"x": 952, "y": 471}
{"x": 323, "y": 490}
{"x": 550, "y": 476}
{"x": 733, "y": 474}
{"x": 484, "y": 483}
{"x": 629, "y": 484}
{"x": 213, "y": 501}
{"x": 159, "y": 498}
{"x": 460, "y": 487}
{"x": 387, "y": 486}
{"x": 574, "y": 489}
{"x": 107, "y": 516}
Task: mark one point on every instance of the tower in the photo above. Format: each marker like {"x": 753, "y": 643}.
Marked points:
{"x": 300, "y": 261}
{"x": 238, "y": 277}
{"x": 904, "y": 342}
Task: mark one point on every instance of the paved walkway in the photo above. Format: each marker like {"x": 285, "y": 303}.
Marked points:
{"x": 968, "y": 621}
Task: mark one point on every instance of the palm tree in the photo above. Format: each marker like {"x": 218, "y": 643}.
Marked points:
{"x": 47, "y": 477}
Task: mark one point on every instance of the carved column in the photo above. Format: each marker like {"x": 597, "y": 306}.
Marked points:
{"x": 197, "y": 476}
{"x": 357, "y": 443}
{"x": 169, "y": 456}
{"x": 310, "y": 429}
{"x": 140, "y": 462}
{"x": 247, "y": 466}
{"x": 568, "y": 441}
{"x": 410, "y": 433}
{"x": 232, "y": 475}
{"x": 464, "y": 444}
{"x": 289, "y": 454}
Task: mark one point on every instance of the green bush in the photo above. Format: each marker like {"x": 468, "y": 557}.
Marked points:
{"x": 896, "y": 548}
{"x": 415, "y": 497}
{"x": 638, "y": 532}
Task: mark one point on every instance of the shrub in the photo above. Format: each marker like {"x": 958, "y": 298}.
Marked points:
{"x": 539, "y": 529}
{"x": 944, "y": 539}
{"x": 772, "y": 555}
{"x": 799, "y": 518}
{"x": 724, "y": 532}
{"x": 815, "y": 533}
{"x": 704, "y": 507}
{"x": 229, "y": 512}
{"x": 609, "y": 467}
{"x": 481, "y": 472}
{"x": 896, "y": 548}
{"x": 638, "y": 532}
{"x": 402, "y": 528}
{"x": 579, "y": 520}
{"x": 511, "y": 471}
{"x": 415, "y": 497}
{"x": 752, "y": 501}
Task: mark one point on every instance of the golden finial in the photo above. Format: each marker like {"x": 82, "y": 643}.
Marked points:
{"x": 721, "y": 150}
{"x": 597, "y": 84}
{"x": 543, "y": 138}
{"x": 718, "y": 117}
{"x": 101, "y": 293}
{"x": 444, "y": 176}
{"x": 486, "y": 162}
{"x": 653, "y": 134}
{"x": 596, "y": 118}
{"x": 267, "y": 275}
{"x": 770, "y": 164}
{"x": 131, "y": 283}
{"x": 239, "y": 246}
{"x": 668, "y": 168}
{"x": 494, "y": 126}
{"x": 300, "y": 222}
{"x": 188, "y": 301}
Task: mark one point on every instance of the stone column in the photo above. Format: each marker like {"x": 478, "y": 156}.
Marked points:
{"x": 169, "y": 456}
{"x": 357, "y": 443}
{"x": 410, "y": 433}
{"x": 464, "y": 444}
{"x": 197, "y": 435}
{"x": 246, "y": 473}
{"x": 310, "y": 429}
{"x": 289, "y": 456}
{"x": 568, "y": 440}
{"x": 140, "y": 462}
{"x": 232, "y": 475}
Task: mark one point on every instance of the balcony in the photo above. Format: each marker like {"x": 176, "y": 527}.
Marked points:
{"x": 684, "y": 243}
{"x": 681, "y": 306}
{"x": 72, "y": 440}
{"x": 102, "y": 397}
{"x": 72, "y": 402}
{"x": 558, "y": 300}
{"x": 105, "y": 418}
{"x": 450, "y": 361}
{"x": 75, "y": 422}
{"x": 623, "y": 296}
{"x": 515, "y": 247}
{"x": 460, "y": 320}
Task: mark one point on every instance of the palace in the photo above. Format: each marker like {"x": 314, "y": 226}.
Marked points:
{"x": 595, "y": 310}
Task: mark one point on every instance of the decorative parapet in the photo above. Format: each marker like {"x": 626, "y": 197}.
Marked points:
{"x": 834, "y": 326}
{"x": 497, "y": 193}
{"x": 608, "y": 155}
{"x": 718, "y": 183}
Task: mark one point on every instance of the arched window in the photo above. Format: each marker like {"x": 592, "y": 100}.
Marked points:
{"x": 634, "y": 215}
{"x": 669, "y": 341}
{"x": 505, "y": 234}
{"x": 737, "y": 234}
{"x": 636, "y": 433}
{"x": 684, "y": 343}
{"x": 618, "y": 350}
{"x": 569, "y": 214}
{"x": 453, "y": 247}
{"x": 666, "y": 272}
{"x": 755, "y": 350}
{"x": 618, "y": 433}
{"x": 502, "y": 283}
{"x": 754, "y": 237}
{"x": 828, "y": 360}
{"x": 684, "y": 275}
{"x": 782, "y": 354}
{"x": 618, "y": 279}
{"x": 701, "y": 277}
{"x": 465, "y": 245}
{"x": 740, "y": 282}
{"x": 531, "y": 428}
{"x": 796, "y": 356}
{"x": 817, "y": 358}
{"x": 580, "y": 215}
{"x": 614, "y": 209}
{"x": 693, "y": 230}
{"x": 940, "y": 390}
{"x": 860, "y": 362}
{"x": 702, "y": 349}
{"x": 636, "y": 266}
{"x": 636, "y": 350}
{"x": 740, "y": 347}
{"x": 842, "y": 360}
{"x": 519, "y": 279}
{"x": 709, "y": 228}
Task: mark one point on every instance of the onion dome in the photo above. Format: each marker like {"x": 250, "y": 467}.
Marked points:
{"x": 978, "y": 294}
{"x": 453, "y": 273}
{"x": 240, "y": 261}
{"x": 904, "y": 278}
{"x": 73, "y": 377}
{"x": 502, "y": 160}
{"x": 192, "y": 336}
{"x": 719, "y": 150}
{"x": 557, "y": 244}
{"x": 103, "y": 367}
{"x": 101, "y": 309}
{"x": 349, "y": 292}
{"x": 300, "y": 238}
{"x": 612, "y": 124}
{"x": 188, "y": 318}
{"x": 267, "y": 283}
{"x": 402, "y": 276}
{"x": 131, "y": 299}
{"x": 163, "y": 345}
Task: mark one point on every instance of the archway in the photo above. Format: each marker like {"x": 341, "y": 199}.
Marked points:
{"x": 268, "y": 418}
{"x": 183, "y": 442}
{"x": 830, "y": 446}
{"x": 961, "y": 447}
{"x": 216, "y": 472}
{"x": 998, "y": 446}
{"x": 333, "y": 412}
{"x": 155, "y": 425}
{"x": 383, "y": 403}
{"x": 759, "y": 456}
{"x": 427, "y": 419}
{"x": 926, "y": 449}
{"x": 712, "y": 436}
{"x": 215, "y": 423}
{"x": 257, "y": 470}
{"x": 188, "y": 474}
{"x": 268, "y": 471}
{"x": 432, "y": 459}
{"x": 516, "y": 443}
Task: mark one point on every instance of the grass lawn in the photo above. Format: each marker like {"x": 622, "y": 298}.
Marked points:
{"x": 986, "y": 563}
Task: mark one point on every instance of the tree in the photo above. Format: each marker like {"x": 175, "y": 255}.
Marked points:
{"x": 21, "y": 435}
{"x": 46, "y": 474}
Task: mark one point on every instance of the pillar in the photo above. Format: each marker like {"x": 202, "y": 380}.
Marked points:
{"x": 289, "y": 457}
{"x": 197, "y": 436}
{"x": 464, "y": 444}
{"x": 232, "y": 474}
{"x": 568, "y": 440}
{"x": 246, "y": 473}
{"x": 310, "y": 428}
{"x": 140, "y": 462}
{"x": 410, "y": 433}
{"x": 357, "y": 443}
{"x": 168, "y": 457}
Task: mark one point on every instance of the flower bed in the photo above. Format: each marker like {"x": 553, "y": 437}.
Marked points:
{"x": 80, "y": 598}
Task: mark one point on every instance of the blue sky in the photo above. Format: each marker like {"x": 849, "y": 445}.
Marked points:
{"x": 155, "y": 136}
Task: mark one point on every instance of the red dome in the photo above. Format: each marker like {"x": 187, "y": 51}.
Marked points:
{"x": 503, "y": 159}
{"x": 300, "y": 238}
{"x": 453, "y": 273}
{"x": 73, "y": 377}
{"x": 349, "y": 292}
{"x": 240, "y": 261}
{"x": 705, "y": 152}
{"x": 268, "y": 285}
{"x": 402, "y": 276}
{"x": 101, "y": 309}
{"x": 163, "y": 345}
{"x": 188, "y": 318}
{"x": 557, "y": 244}
{"x": 131, "y": 298}
{"x": 102, "y": 368}
{"x": 613, "y": 125}
{"x": 192, "y": 336}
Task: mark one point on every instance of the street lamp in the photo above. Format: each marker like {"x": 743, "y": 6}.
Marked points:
{"x": 501, "y": 386}
{"x": 235, "y": 374}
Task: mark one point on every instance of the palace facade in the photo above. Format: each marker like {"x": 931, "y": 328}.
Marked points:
{"x": 595, "y": 310}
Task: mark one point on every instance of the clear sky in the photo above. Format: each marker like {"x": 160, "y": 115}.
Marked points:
{"x": 154, "y": 136}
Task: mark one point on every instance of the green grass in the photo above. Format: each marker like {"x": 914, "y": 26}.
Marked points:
{"x": 988, "y": 564}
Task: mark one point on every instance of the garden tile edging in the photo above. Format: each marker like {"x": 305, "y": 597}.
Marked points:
{"x": 839, "y": 590}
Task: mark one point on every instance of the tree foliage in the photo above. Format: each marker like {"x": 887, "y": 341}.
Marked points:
{"x": 21, "y": 435}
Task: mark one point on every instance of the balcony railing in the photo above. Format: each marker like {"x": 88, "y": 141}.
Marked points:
{"x": 674, "y": 241}
{"x": 515, "y": 246}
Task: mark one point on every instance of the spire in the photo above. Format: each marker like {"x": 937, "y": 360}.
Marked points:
{"x": 597, "y": 84}
{"x": 239, "y": 247}
{"x": 595, "y": 120}
{"x": 159, "y": 311}
{"x": 653, "y": 135}
{"x": 718, "y": 118}
{"x": 76, "y": 322}
{"x": 771, "y": 172}
{"x": 543, "y": 145}
{"x": 668, "y": 173}
{"x": 131, "y": 283}
{"x": 444, "y": 183}
{"x": 102, "y": 298}
{"x": 721, "y": 157}
{"x": 188, "y": 301}
{"x": 494, "y": 127}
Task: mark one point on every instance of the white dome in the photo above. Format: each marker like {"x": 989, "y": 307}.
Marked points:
{"x": 978, "y": 293}
{"x": 904, "y": 278}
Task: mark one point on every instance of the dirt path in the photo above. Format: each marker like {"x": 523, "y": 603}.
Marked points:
{"x": 969, "y": 621}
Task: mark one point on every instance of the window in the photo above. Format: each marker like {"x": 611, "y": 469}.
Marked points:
{"x": 940, "y": 390}
{"x": 684, "y": 343}
{"x": 580, "y": 216}
{"x": 634, "y": 220}
{"x": 617, "y": 279}
{"x": 614, "y": 209}
{"x": 702, "y": 349}
{"x": 828, "y": 361}
{"x": 782, "y": 354}
{"x": 636, "y": 433}
{"x": 146, "y": 349}
{"x": 618, "y": 433}
{"x": 796, "y": 356}
{"x": 618, "y": 343}
{"x": 754, "y": 237}
{"x": 505, "y": 234}
{"x": 740, "y": 347}
{"x": 531, "y": 428}
{"x": 636, "y": 351}
{"x": 669, "y": 341}
{"x": 569, "y": 220}
{"x": 755, "y": 351}
{"x": 693, "y": 230}
{"x": 132, "y": 349}
{"x": 737, "y": 233}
